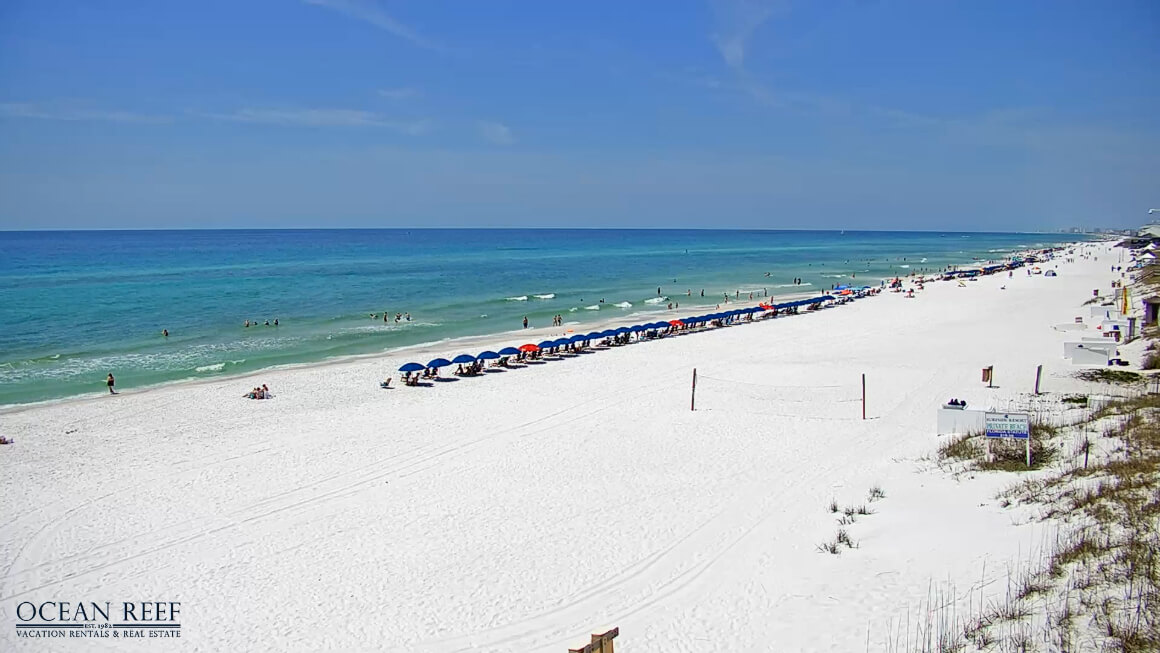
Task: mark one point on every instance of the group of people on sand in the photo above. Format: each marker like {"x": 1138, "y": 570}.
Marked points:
{"x": 558, "y": 320}
{"x": 247, "y": 324}
{"x": 261, "y": 392}
{"x": 957, "y": 403}
{"x": 473, "y": 369}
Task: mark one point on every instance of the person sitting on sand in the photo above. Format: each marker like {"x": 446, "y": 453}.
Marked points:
{"x": 385, "y": 384}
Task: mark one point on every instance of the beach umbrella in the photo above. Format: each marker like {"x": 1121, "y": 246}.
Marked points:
{"x": 620, "y": 330}
{"x": 592, "y": 336}
{"x": 561, "y": 341}
{"x": 606, "y": 333}
{"x": 546, "y": 344}
{"x": 529, "y": 347}
{"x": 411, "y": 367}
{"x": 579, "y": 338}
{"x": 463, "y": 358}
{"x": 676, "y": 322}
{"x": 508, "y": 351}
{"x": 487, "y": 355}
{"x": 439, "y": 362}
{"x": 637, "y": 328}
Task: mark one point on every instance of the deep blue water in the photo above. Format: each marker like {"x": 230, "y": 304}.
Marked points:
{"x": 77, "y": 305}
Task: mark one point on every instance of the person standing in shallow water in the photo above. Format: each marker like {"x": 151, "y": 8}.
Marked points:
{"x": 109, "y": 382}
{"x": 525, "y": 321}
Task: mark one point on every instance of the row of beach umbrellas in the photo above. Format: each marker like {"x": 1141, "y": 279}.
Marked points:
{"x": 607, "y": 333}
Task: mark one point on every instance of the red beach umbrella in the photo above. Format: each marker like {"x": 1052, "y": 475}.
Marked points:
{"x": 529, "y": 347}
{"x": 676, "y": 322}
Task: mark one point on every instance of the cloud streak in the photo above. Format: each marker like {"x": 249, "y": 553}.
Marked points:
{"x": 369, "y": 11}
{"x": 321, "y": 118}
{"x": 75, "y": 114}
{"x": 496, "y": 132}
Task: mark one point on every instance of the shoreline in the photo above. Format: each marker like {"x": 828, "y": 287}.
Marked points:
{"x": 141, "y": 360}
{"x": 481, "y": 342}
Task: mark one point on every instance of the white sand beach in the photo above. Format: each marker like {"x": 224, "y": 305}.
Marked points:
{"x": 525, "y": 509}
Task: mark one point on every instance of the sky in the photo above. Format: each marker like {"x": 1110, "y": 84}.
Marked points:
{"x": 974, "y": 115}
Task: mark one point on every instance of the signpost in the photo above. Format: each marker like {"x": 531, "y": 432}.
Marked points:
{"x": 1008, "y": 425}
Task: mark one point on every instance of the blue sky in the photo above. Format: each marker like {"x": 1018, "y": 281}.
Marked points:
{"x": 975, "y": 115}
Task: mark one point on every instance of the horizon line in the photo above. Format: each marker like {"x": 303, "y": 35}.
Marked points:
{"x": 836, "y": 229}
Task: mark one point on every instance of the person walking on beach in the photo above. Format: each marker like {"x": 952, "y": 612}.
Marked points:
{"x": 109, "y": 382}
{"x": 525, "y": 321}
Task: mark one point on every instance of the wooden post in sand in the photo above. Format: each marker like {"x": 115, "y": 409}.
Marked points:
{"x": 1038, "y": 373}
{"x": 693, "y": 396}
{"x": 863, "y": 396}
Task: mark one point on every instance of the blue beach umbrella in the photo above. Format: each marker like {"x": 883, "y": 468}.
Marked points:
{"x": 411, "y": 367}
{"x": 509, "y": 351}
{"x": 487, "y": 355}
{"x": 592, "y": 336}
{"x": 620, "y": 330}
{"x": 439, "y": 362}
{"x": 558, "y": 342}
{"x": 606, "y": 333}
{"x": 463, "y": 358}
{"x": 547, "y": 344}
{"x": 578, "y": 338}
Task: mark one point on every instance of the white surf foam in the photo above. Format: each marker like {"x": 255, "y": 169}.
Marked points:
{"x": 656, "y": 300}
{"x": 521, "y": 298}
{"x": 550, "y": 295}
{"x": 623, "y": 305}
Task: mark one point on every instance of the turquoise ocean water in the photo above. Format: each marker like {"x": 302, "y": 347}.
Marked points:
{"x": 75, "y": 306}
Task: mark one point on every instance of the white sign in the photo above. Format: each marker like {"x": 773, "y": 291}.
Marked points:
{"x": 1007, "y": 425}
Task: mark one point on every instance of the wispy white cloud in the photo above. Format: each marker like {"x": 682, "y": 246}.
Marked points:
{"x": 321, "y": 118}
{"x": 735, "y": 21}
{"x": 75, "y": 114}
{"x": 496, "y": 132}
{"x": 404, "y": 93}
{"x": 370, "y": 11}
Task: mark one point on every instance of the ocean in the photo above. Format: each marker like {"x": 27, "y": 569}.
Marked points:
{"x": 77, "y": 305}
